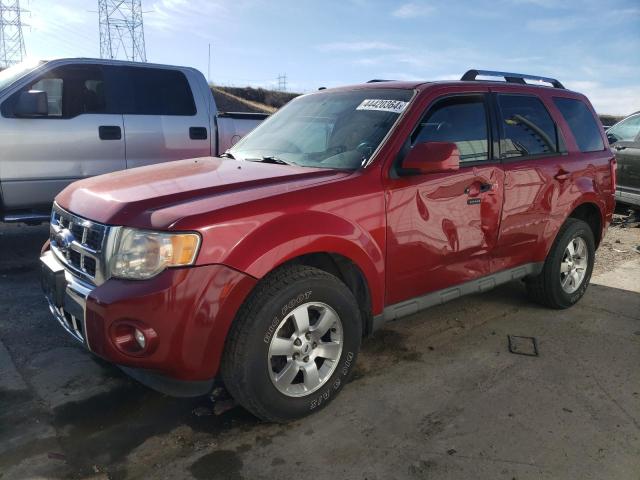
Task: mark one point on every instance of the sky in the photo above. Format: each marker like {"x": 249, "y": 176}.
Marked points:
{"x": 592, "y": 46}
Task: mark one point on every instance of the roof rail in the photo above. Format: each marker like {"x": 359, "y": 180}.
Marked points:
{"x": 376, "y": 80}
{"x": 471, "y": 75}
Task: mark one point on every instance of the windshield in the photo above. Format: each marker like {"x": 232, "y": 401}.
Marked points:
{"x": 338, "y": 130}
{"x": 11, "y": 74}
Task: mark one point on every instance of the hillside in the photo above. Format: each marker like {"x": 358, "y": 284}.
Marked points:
{"x": 248, "y": 99}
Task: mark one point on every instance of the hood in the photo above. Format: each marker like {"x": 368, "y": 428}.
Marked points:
{"x": 159, "y": 195}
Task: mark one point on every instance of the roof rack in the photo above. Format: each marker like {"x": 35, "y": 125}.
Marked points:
{"x": 471, "y": 75}
{"x": 376, "y": 80}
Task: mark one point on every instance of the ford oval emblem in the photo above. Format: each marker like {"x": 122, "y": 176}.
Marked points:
{"x": 64, "y": 238}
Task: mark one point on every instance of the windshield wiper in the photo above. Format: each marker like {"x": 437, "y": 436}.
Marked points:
{"x": 270, "y": 159}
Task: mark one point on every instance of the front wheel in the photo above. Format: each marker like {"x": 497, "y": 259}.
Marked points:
{"x": 567, "y": 270}
{"x": 293, "y": 345}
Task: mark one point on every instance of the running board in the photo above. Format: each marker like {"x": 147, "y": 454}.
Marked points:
{"x": 414, "y": 305}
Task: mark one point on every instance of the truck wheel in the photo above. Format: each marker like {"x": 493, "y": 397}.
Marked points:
{"x": 567, "y": 269}
{"x": 293, "y": 344}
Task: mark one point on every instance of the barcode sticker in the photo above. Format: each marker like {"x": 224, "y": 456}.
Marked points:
{"x": 395, "y": 106}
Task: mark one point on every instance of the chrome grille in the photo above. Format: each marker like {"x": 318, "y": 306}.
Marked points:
{"x": 80, "y": 244}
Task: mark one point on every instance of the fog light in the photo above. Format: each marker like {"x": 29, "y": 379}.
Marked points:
{"x": 140, "y": 338}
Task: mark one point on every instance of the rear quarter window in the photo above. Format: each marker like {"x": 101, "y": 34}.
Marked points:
{"x": 582, "y": 124}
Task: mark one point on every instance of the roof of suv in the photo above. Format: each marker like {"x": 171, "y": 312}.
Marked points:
{"x": 470, "y": 79}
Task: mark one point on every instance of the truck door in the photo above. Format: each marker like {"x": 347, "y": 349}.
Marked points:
{"x": 536, "y": 165}
{"x": 75, "y": 137}
{"x": 162, "y": 119}
{"x": 442, "y": 227}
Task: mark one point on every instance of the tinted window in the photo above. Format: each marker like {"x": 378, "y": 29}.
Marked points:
{"x": 528, "y": 128}
{"x": 72, "y": 91}
{"x": 460, "y": 120}
{"x": 153, "y": 91}
{"x": 582, "y": 124}
{"x": 625, "y": 131}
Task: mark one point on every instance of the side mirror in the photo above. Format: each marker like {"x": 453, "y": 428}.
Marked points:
{"x": 612, "y": 138}
{"x": 33, "y": 103}
{"x": 431, "y": 157}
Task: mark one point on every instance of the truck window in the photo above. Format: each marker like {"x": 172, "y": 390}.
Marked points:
{"x": 155, "y": 91}
{"x": 582, "y": 124}
{"x": 71, "y": 91}
{"x": 527, "y": 126}
{"x": 461, "y": 120}
{"x": 627, "y": 130}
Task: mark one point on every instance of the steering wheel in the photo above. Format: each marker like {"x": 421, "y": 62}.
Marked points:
{"x": 365, "y": 148}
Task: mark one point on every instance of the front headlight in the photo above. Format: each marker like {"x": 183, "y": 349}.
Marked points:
{"x": 142, "y": 254}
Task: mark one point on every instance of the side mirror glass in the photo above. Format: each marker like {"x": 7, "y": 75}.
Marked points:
{"x": 33, "y": 103}
{"x": 612, "y": 138}
{"x": 431, "y": 157}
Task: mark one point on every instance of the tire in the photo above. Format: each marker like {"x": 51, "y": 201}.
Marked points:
{"x": 262, "y": 350}
{"x": 547, "y": 287}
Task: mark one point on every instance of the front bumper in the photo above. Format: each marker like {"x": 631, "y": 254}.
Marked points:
{"x": 190, "y": 310}
{"x": 66, "y": 296}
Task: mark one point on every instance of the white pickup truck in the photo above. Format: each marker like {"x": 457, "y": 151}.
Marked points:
{"x": 68, "y": 119}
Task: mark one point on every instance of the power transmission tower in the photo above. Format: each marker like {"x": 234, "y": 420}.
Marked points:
{"x": 12, "y": 49}
{"x": 121, "y": 30}
{"x": 282, "y": 82}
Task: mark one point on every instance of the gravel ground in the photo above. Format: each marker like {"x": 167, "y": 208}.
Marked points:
{"x": 619, "y": 244}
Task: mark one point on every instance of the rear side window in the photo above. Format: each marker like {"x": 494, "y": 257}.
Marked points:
{"x": 154, "y": 91}
{"x": 582, "y": 124}
{"x": 460, "y": 120}
{"x": 527, "y": 125}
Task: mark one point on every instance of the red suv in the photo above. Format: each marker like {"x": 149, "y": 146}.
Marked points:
{"x": 348, "y": 208}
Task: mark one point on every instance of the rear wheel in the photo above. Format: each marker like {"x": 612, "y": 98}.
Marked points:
{"x": 567, "y": 270}
{"x": 293, "y": 345}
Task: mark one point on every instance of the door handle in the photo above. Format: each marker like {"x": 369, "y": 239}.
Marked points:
{"x": 477, "y": 188}
{"x": 197, "y": 133}
{"x": 110, "y": 132}
{"x": 562, "y": 175}
{"x": 486, "y": 187}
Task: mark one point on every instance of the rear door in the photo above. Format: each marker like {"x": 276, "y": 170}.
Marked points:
{"x": 80, "y": 136}
{"x": 162, "y": 120}
{"x": 535, "y": 168}
{"x": 442, "y": 227}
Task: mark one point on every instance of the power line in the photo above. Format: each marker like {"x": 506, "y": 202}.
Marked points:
{"x": 12, "y": 48}
{"x": 282, "y": 82}
{"x": 121, "y": 30}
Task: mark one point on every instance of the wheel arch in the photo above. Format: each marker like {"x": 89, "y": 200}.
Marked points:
{"x": 591, "y": 214}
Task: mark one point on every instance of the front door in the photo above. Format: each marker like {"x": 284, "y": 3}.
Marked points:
{"x": 442, "y": 227}
{"x": 77, "y": 138}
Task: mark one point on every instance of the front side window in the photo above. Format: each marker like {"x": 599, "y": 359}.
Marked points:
{"x": 582, "y": 124}
{"x": 625, "y": 131}
{"x": 71, "y": 91}
{"x": 459, "y": 120}
{"x": 338, "y": 130}
{"x": 527, "y": 125}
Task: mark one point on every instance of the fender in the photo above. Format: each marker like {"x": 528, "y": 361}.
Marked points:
{"x": 587, "y": 194}
{"x": 285, "y": 237}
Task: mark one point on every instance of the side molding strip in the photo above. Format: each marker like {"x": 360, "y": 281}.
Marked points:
{"x": 482, "y": 284}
